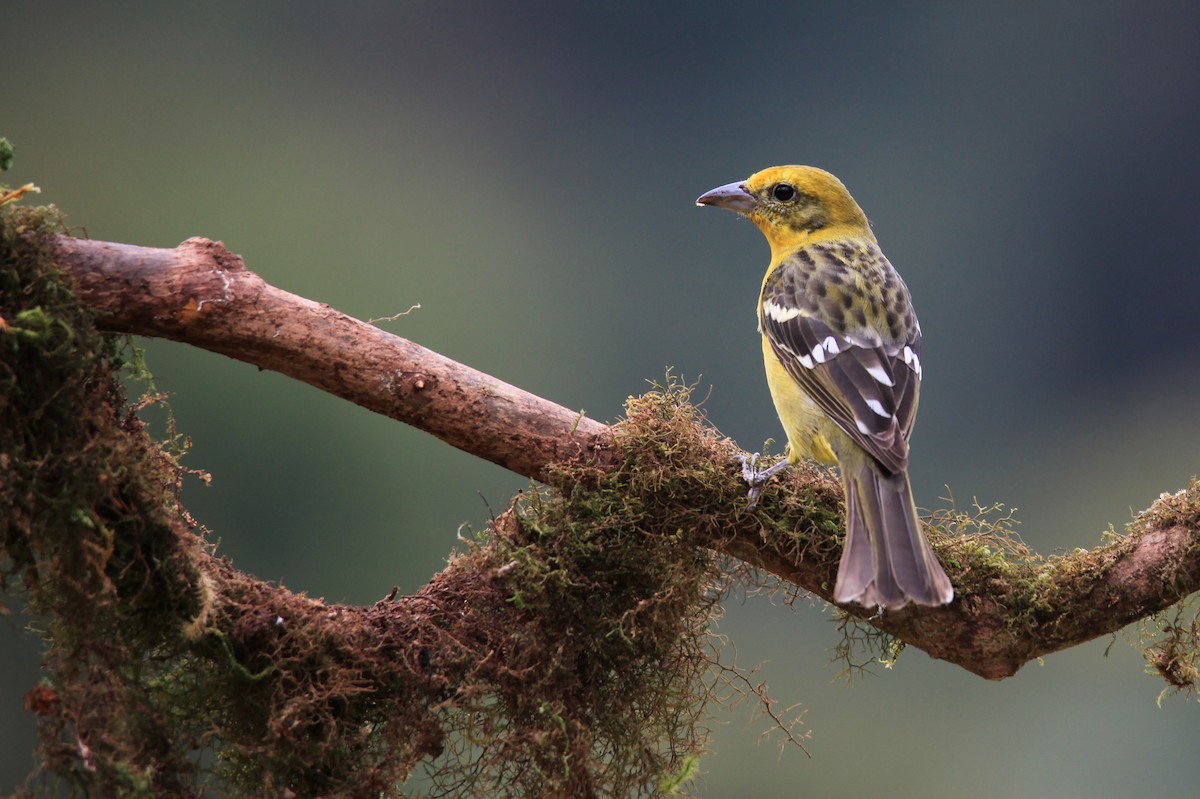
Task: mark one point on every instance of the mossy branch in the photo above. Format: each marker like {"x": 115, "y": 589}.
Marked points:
{"x": 499, "y": 674}
{"x": 506, "y": 662}
{"x": 167, "y": 672}
{"x": 1007, "y": 613}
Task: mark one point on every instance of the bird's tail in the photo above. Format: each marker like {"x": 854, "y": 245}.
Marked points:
{"x": 887, "y": 562}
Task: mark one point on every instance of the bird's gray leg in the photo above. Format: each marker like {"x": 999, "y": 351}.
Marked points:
{"x": 757, "y": 477}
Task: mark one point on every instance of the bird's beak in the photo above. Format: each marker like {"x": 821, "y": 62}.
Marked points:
{"x": 732, "y": 196}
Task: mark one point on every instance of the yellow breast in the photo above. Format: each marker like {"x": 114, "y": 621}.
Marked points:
{"x": 806, "y": 425}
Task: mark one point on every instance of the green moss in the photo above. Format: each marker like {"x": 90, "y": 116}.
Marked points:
{"x": 605, "y": 606}
{"x": 84, "y": 538}
{"x": 1170, "y": 642}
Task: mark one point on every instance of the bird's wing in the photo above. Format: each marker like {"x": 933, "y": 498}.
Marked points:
{"x": 868, "y": 386}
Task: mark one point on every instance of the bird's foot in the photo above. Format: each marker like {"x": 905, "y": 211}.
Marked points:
{"x": 757, "y": 477}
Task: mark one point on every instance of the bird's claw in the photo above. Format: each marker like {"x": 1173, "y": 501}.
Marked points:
{"x": 750, "y": 470}
{"x": 757, "y": 477}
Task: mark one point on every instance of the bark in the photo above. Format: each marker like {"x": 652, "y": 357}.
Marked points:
{"x": 201, "y": 294}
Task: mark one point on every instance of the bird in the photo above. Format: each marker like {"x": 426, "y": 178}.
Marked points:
{"x": 841, "y": 344}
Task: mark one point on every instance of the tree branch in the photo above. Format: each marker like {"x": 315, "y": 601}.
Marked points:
{"x": 201, "y": 294}
{"x": 1005, "y": 614}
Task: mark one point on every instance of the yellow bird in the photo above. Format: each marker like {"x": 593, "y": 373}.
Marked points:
{"x": 842, "y": 349}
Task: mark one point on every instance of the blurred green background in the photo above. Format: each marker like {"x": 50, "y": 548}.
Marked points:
{"x": 526, "y": 173}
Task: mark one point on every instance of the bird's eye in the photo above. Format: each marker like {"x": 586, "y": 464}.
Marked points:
{"x": 783, "y": 192}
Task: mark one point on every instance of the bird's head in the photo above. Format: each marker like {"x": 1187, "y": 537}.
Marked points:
{"x": 792, "y": 204}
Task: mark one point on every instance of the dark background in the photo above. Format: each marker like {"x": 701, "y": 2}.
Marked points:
{"x": 527, "y": 172}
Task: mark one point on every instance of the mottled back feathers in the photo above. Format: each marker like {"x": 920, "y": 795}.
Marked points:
{"x": 840, "y": 321}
